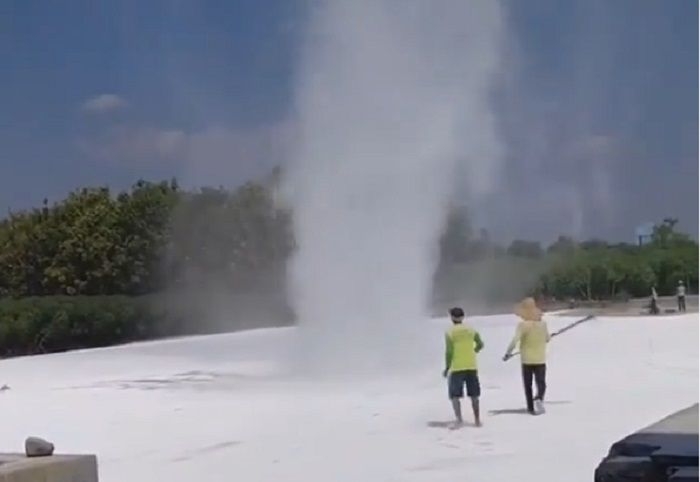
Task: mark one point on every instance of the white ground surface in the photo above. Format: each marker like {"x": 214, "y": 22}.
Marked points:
{"x": 219, "y": 408}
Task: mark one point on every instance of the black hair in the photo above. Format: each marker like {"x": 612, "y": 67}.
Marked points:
{"x": 457, "y": 313}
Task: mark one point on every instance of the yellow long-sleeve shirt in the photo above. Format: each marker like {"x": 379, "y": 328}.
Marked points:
{"x": 533, "y": 337}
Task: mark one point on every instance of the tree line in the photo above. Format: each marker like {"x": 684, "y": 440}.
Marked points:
{"x": 157, "y": 236}
{"x": 588, "y": 270}
{"x": 96, "y": 267}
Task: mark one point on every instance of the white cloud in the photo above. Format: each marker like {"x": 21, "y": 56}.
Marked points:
{"x": 104, "y": 103}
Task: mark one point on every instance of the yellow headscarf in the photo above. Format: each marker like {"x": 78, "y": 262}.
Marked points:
{"x": 527, "y": 310}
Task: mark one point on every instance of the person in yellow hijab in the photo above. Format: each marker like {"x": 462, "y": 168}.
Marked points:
{"x": 532, "y": 337}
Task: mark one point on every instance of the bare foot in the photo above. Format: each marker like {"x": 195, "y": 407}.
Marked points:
{"x": 477, "y": 423}
{"x": 456, "y": 425}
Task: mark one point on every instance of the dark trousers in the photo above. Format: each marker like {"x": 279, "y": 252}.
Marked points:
{"x": 539, "y": 373}
{"x": 681, "y": 303}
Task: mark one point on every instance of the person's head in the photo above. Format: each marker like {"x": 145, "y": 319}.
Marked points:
{"x": 457, "y": 315}
{"x": 680, "y": 282}
{"x": 527, "y": 310}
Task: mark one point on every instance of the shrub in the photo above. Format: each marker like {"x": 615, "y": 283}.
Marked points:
{"x": 58, "y": 323}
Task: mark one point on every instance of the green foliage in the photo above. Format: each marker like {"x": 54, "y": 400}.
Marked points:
{"x": 665, "y": 235}
{"x": 588, "y": 270}
{"x": 596, "y": 270}
{"x": 141, "y": 241}
{"x": 227, "y": 237}
{"x": 79, "y": 267}
{"x": 91, "y": 243}
{"x": 57, "y": 323}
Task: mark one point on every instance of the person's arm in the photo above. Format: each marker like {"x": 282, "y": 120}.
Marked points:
{"x": 515, "y": 341}
{"x": 478, "y": 342}
{"x": 546, "y": 330}
{"x": 449, "y": 349}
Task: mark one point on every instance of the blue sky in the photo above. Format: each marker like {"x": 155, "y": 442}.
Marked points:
{"x": 598, "y": 104}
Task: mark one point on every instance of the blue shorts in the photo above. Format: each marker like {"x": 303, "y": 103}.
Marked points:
{"x": 457, "y": 380}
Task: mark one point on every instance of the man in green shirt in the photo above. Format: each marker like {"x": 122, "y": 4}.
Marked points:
{"x": 462, "y": 343}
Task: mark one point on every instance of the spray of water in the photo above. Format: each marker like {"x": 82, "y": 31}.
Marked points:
{"x": 391, "y": 95}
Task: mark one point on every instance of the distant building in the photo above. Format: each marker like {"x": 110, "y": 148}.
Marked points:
{"x": 643, "y": 233}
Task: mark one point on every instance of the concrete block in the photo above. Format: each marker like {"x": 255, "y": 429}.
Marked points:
{"x": 54, "y": 468}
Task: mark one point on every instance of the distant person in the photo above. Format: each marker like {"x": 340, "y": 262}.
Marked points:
{"x": 462, "y": 343}
{"x": 680, "y": 296}
{"x": 532, "y": 337}
{"x": 654, "y": 301}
